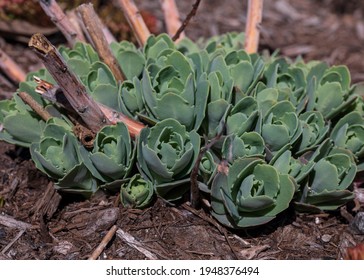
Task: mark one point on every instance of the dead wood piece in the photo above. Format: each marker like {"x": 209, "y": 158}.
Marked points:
{"x": 135, "y": 20}
{"x": 132, "y": 242}
{"x": 55, "y": 94}
{"x": 10, "y": 222}
{"x": 14, "y": 186}
{"x": 48, "y": 204}
{"x": 7, "y": 247}
{"x": 59, "y": 18}
{"x": 36, "y": 107}
{"x": 253, "y": 252}
{"x": 10, "y": 68}
{"x": 252, "y": 29}
{"x": 190, "y": 15}
{"x": 103, "y": 243}
{"x": 73, "y": 89}
{"x": 93, "y": 29}
{"x": 73, "y": 18}
{"x": 171, "y": 17}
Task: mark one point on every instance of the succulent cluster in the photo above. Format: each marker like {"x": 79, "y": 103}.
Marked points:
{"x": 279, "y": 131}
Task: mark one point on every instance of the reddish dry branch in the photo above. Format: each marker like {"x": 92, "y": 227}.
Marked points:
{"x": 252, "y": 29}
{"x": 36, "y": 107}
{"x": 74, "y": 91}
{"x": 190, "y": 15}
{"x": 93, "y": 28}
{"x": 10, "y": 68}
{"x": 59, "y": 18}
{"x": 135, "y": 20}
{"x": 171, "y": 17}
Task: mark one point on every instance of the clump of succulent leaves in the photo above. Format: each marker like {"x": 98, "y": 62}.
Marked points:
{"x": 280, "y": 132}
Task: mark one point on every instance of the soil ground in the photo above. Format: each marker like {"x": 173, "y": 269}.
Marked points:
{"x": 71, "y": 228}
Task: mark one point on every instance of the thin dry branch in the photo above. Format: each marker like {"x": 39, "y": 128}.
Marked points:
{"x": 11, "y": 69}
{"x": 59, "y": 18}
{"x": 36, "y": 107}
{"x": 103, "y": 243}
{"x": 93, "y": 28}
{"x": 55, "y": 94}
{"x": 72, "y": 88}
{"x": 190, "y": 15}
{"x": 10, "y": 222}
{"x": 171, "y": 17}
{"x": 252, "y": 29}
{"x": 131, "y": 241}
{"x": 135, "y": 20}
{"x": 7, "y": 247}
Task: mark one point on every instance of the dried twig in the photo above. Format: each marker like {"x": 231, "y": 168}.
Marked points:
{"x": 195, "y": 192}
{"x": 93, "y": 28}
{"x": 171, "y": 17}
{"x": 190, "y": 15}
{"x": 72, "y": 88}
{"x": 131, "y": 241}
{"x": 55, "y": 94}
{"x": 73, "y": 18}
{"x": 59, "y": 18}
{"x": 7, "y": 247}
{"x": 252, "y": 29}
{"x": 135, "y": 20}
{"x": 36, "y": 107}
{"x": 11, "y": 69}
{"x": 10, "y": 222}
{"x": 103, "y": 243}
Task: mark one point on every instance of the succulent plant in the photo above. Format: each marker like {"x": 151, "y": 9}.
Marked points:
{"x": 251, "y": 194}
{"x": 167, "y": 153}
{"x": 328, "y": 192}
{"x": 59, "y": 155}
{"x": 272, "y": 128}
{"x": 113, "y": 153}
{"x": 137, "y": 193}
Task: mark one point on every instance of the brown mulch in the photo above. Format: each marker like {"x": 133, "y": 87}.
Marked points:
{"x": 37, "y": 223}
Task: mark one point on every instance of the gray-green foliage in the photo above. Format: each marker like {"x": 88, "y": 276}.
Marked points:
{"x": 277, "y": 128}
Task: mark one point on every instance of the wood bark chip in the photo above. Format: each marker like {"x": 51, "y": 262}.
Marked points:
{"x": 59, "y": 18}
{"x": 93, "y": 28}
{"x": 72, "y": 88}
{"x": 135, "y": 20}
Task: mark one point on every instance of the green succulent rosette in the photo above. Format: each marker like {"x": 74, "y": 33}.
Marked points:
{"x": 113, "y": 154}
{"x": 348, "y": 133}
{"x": 166, "y": 155}
{"x": 207, "y": 170}
{"x": 137, "y": 192}
{"x": 169, "y": 86}
{"x": 59, "y": 155}
{"x": 251, "y": 194}
{"x": 329, "y": 180}
{"x": 280, "y": 126}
